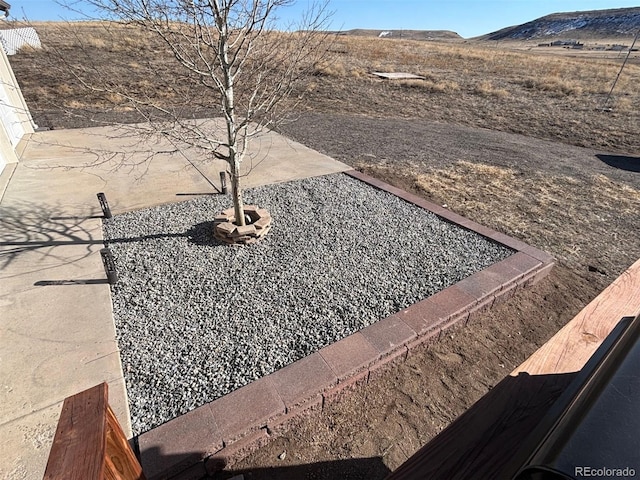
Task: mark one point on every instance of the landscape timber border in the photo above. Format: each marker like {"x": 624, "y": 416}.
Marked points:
{"x": 222, "y": 432}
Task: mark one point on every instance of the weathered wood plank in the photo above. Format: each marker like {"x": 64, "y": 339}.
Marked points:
{"x": 89, "y": 443}
{"x": 574, "y": 344}
{"x": 79, "y": 445}
{"x": 482, "y": 441}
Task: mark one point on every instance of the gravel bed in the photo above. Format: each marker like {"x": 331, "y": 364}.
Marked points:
{"x": 196, "y": 319}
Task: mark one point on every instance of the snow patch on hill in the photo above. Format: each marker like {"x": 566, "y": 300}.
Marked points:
{"x": 602, "y": 23}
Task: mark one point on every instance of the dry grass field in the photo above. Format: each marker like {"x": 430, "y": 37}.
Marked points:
{"x": 557, "y": 97}
{"x": 572, "y": 187}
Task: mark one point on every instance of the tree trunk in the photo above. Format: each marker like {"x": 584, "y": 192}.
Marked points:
{"x": 236, "y": 190}
{"x": 228, "y": 106}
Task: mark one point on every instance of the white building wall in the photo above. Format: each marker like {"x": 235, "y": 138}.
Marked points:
{"x": 15, "y": 118}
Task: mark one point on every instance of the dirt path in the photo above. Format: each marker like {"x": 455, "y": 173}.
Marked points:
{"x": 420, "y": 144}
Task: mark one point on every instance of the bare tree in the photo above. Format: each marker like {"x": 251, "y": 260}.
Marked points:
{"x": 244, "y": 63}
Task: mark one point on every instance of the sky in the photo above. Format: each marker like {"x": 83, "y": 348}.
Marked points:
{"x": 468, "y": 18}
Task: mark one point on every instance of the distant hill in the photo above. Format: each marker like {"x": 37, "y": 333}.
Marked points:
{"x": 404, "y": 34}
{"x": 621, "y": 22}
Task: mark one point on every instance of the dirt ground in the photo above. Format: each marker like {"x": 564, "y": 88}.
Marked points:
{"x": 544, "y": 166}
{"x": 561, "y": 198}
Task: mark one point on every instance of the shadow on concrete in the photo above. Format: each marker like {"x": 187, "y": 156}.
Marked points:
{"x": 40, "y": 228}
{"x": 203, "y": 194}
{"x": 30, "y": 227}
{"x": 623, "y": 162}
{"x": 77, "y": 218}
{"x": 200, "y": 234}
{"x": 50, "y": 283}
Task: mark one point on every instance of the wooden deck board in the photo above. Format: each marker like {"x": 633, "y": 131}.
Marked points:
{"x": 574, "y": 344}
{"x": 79, "y": 445}
{"x": 482, "y": 442}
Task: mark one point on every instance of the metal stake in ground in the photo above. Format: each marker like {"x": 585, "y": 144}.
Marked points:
{"x": 102, "y": 198}
{"x": 615, "y": 82}
{"x": 109, "y": 265}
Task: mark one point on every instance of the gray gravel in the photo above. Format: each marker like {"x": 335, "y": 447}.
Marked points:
{"x": 196, "y": 319}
